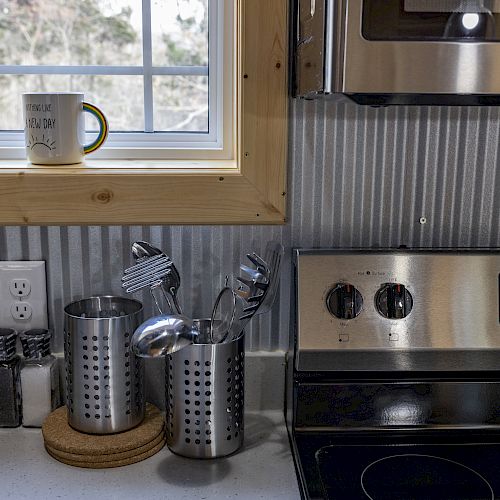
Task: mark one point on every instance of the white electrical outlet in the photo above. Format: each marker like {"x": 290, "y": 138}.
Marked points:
{"x": 21, "y": 311}
{"x": 23, "y": 295}
{"x": 20, "y": 287}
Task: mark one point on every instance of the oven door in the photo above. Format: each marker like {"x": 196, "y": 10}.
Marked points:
{"x": 422, "y": 47}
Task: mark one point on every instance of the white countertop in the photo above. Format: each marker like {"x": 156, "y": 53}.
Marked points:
{"x": 263, "y": 468}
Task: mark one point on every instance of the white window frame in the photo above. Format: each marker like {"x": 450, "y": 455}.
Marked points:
{"x": 217, "y": 144}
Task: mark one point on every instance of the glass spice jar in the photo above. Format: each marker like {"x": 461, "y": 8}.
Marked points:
{"x": 10, "y": 383}
{"x": 39, "y": 377}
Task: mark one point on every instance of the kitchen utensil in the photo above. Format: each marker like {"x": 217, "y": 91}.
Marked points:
{"x": 263, "y": 294}
{"x": 253, "y": 273}
{"x": 256, "y": 296}
{"x": 171, "y": 282}
{"x": 223, "y": 315}
{"x": 149, "y": 272}
{"x": 156, "y": 270}
{"x": 251, "y": 288}
{"x": 273, "y": 257}
{"x": 161, "y": 335}
{"x": 105, "y": 380}
{"x": 141, "y": 249}
{"x": 205, "y": 397}
{"x": 254, "y": 286}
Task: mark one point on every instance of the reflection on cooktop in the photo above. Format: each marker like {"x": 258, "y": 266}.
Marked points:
{"x": 410, "y": 472}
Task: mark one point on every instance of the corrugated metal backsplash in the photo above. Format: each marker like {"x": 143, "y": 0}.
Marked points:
{"x": 358, "y": 177}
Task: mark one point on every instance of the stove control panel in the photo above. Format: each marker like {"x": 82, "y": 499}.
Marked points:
{"x": 344, "y": 301}
{"x": 414, "y": 303}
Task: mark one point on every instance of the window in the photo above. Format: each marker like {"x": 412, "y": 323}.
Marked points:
{"x": 156, "y": 68}
{"x": 248, "y": 188}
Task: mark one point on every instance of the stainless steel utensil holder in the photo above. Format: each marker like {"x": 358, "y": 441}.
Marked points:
{"x": 205, "y": 398}
{"x": 104, "y": 380}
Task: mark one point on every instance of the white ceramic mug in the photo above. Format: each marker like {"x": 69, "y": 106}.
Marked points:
{"x": 55, "y": 127}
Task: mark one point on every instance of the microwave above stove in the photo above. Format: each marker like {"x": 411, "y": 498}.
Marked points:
{"x": 382, "y": 52}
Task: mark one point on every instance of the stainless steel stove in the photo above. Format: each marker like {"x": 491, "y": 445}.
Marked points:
{"x": 394, "y": 375}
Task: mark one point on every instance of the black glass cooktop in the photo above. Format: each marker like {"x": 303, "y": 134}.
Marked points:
{"x": 441, "y": 472}
{"x": 399, "y": 471}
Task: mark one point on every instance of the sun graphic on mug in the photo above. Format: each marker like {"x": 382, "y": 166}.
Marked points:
{"x": 46, "y": 142}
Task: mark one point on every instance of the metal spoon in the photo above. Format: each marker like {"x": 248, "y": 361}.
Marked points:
{"x": 162, "y": 335}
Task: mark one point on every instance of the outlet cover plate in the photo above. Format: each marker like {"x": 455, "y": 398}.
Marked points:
{"x": 34, "y": 272}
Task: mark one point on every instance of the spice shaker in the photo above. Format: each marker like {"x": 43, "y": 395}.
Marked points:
{"x": 39, "y": 377}
{"x": 10, "y": 384}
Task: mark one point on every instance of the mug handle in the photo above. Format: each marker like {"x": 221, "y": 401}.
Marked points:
{"x": 103, "y": 128}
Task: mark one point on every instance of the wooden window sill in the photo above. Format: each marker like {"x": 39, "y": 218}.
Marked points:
{"x": 93, "y": 167}
{"x": 131, "y": 192}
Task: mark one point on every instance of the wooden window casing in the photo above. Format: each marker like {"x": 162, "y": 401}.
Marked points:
{"x": 249, "y": 189}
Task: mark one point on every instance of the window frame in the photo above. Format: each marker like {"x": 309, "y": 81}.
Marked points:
{"x": 145, "y": 145}
{"x": 249, "y": 188}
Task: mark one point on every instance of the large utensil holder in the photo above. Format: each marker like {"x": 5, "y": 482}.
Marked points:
{"x": 105, "y": 381}
{"x": 205, "y": 398}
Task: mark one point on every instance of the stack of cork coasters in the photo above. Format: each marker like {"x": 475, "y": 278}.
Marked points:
{"x": 103, "y": 451}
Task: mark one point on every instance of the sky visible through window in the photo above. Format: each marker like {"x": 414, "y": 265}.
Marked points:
{"x": 109, "y": 34}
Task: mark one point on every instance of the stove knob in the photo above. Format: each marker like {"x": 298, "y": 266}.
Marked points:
{"x": 344, "y": 301}
{"x": 394, "y": 301}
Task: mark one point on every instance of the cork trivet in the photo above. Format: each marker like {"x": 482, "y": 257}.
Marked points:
{"x": 59, "y": 435}
{"x": 108, "y": 457}
{"x": 115, "y": 463}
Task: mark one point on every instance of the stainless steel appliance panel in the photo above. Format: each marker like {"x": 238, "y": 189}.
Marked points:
{"x": 416, "y": 67}
{"x": 455, "y": 311}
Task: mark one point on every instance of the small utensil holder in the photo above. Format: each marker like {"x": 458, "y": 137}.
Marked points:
{"x": 205, "y": 397}
{"x": 105, "y": 381}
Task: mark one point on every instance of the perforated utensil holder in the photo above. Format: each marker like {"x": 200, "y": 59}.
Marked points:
{"x": 205, "y": 398}
{"x": 104, "y": 380}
